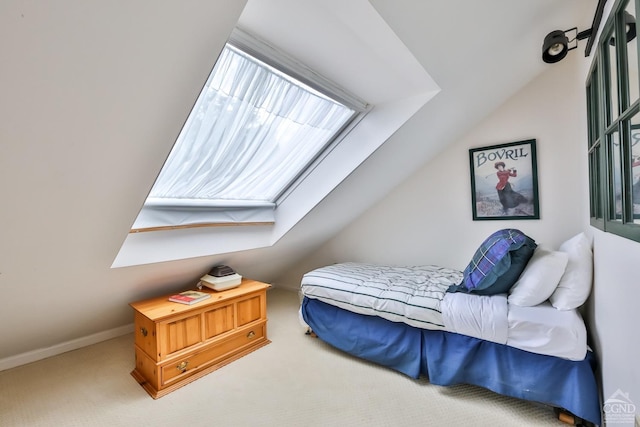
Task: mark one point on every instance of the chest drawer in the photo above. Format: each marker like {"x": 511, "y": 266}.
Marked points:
{"x": 176, "y": 344}
{"x": 189, "y": 365}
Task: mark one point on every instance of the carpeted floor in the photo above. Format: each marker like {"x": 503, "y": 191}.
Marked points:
{"x": 294, "y": 381}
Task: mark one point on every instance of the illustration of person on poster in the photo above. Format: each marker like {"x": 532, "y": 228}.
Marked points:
{"x": 508, "y": 197}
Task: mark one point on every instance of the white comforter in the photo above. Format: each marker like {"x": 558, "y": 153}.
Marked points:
{"x": 417, "y": 296}
{"x": 479, "y": 316}
{"x": 401, "y": 294}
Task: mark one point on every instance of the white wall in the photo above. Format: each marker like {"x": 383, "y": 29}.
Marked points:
{"x": 93, "y": 96}
{"x": 428, "y": 218}
{"x": 614, "y": 314}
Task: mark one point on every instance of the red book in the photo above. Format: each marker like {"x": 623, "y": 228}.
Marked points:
{"x": 189, "y": 297}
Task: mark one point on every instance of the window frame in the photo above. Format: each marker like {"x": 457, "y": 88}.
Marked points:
{"x": 603, "y": 124}
{"x": 263, "y": 211}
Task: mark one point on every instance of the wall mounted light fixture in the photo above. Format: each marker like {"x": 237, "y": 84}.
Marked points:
{"x": 558, "y": 43}
{"x": 629, "y": 28}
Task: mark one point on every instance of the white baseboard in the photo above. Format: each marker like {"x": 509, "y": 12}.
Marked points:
{"x": 43, "y": 353}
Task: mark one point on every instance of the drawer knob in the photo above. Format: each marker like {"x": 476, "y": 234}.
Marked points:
{"x": 182, "y": 366}
{"x": 144, "y": 332}
{"x": 251, "y": 334}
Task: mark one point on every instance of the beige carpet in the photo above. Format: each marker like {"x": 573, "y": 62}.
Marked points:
{"x": 294, "y": 381}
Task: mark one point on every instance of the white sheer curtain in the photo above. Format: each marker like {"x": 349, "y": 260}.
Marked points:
{"x": 250, "y": 134}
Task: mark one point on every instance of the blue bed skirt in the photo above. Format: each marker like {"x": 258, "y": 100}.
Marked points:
{"x": 447, "y": 358}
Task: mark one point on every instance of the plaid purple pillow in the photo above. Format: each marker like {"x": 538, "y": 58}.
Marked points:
{"x": 497, "y": 263}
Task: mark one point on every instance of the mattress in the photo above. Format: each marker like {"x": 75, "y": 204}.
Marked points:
{"x": 417, "y": 297}
{"x": 541, "y": 329}
{"x": 544, "y": 329}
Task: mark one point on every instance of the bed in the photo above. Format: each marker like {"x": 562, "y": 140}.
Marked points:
{"x": 522, "y": 336}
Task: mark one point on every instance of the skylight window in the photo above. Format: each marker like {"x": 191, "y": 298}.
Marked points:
{"x": 252, "y": 133}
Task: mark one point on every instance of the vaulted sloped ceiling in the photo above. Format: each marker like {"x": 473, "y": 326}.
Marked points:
{"x": 94, "y": 94}
{"x": 478, "y": 53}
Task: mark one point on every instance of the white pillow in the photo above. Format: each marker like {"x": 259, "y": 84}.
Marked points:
{"x": 575, "y": 285}
{"x": 539, "y": 278}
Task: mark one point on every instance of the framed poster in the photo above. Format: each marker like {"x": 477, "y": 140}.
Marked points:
{"x": 504, "y": 181}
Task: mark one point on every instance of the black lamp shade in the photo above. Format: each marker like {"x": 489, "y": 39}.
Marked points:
{"x": 630, "y": 28}
{"x": 555, "y": 47}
